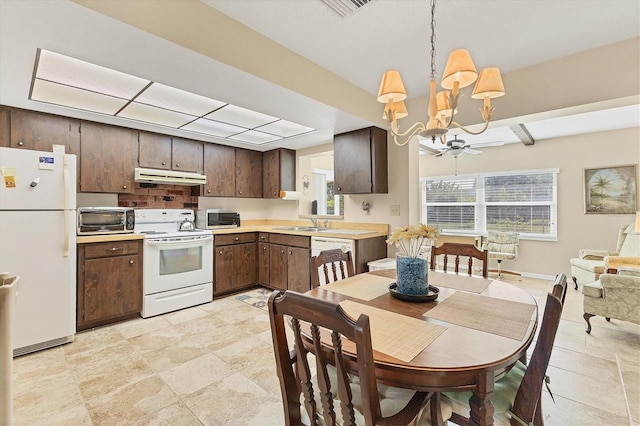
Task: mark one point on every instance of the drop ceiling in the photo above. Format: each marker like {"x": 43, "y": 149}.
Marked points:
{"x": 69, "y": 82}
{"x": 356, "y": 48}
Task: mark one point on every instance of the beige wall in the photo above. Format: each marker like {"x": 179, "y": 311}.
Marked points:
{"x": 571, "y": 155}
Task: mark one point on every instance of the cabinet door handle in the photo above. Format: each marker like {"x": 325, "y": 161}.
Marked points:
{"x": 264, "y": 248}
{"x": 115, "y": 248}
{"x": 220, "y": 252}
{"x": 339, "y": 188}
{"x": 240, "y": 192}
{"x": 164, "y": 163}
{"x": 282, "y": 251}
{"x": 177, "y": 164}
{"x": 124, "y": 186}
{"x": 236, "y": 239}
{"x": 274, "y": 193}
{"x": 131, "y": 262}
{"x": 209, "y": 191}
{"x": 20, "y": 143}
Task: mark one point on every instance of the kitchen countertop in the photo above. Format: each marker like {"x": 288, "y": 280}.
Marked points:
{"x": 84, "y": 239}
{"x": 377, "y": 230}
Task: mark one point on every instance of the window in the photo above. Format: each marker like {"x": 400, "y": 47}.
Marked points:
{"x": 523, "y": 201}
{"x": 329, "y": 203}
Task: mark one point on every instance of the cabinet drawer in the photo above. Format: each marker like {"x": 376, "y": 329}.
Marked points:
{"x": 263, "y": 237}
{"x": 115, "y": 248}
{"x": 290, "y": 240}
{"x": 226, "y": 239}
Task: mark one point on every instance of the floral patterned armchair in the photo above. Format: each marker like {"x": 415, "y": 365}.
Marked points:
{"x": 590, "y": 264}
{"x": 613, "y": 296}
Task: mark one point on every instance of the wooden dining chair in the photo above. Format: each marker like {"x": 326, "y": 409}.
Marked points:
{"x": 333, "y": 264}
{"x": 456, "y": 251}
{"x": 333, "y": 396}
{"x": 519, "y": 392}
{"x": 560, "y": 287}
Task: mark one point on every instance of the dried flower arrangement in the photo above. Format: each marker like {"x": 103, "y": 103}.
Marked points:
{"x": 409, "y": 239}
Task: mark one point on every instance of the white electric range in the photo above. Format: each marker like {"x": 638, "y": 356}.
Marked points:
{"x": 177, "y": 264}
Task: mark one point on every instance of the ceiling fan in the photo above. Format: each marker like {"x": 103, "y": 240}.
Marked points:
{"x": 454, "y": 147}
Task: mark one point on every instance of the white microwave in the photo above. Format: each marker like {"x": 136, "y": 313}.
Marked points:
{"x": 217, "y": 219}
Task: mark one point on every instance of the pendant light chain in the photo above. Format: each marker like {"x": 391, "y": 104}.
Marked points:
{"x": 433, "y": 40}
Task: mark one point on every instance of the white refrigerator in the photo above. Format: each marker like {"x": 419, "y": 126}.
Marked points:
{"x": 38, "y": 244}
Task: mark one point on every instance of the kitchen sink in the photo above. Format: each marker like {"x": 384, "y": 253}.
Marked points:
{"x": 328, "y": 230}
{"x": 347, "y": 231}
{"x": 299, "y": 228}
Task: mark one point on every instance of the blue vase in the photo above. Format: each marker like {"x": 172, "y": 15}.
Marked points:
{"x": 411, "y": 275}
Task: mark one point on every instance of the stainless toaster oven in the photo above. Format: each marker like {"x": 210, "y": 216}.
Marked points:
{"x": 105, "y": 220}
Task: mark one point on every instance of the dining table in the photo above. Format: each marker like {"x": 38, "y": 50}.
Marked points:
{"x": 464, "y": 340}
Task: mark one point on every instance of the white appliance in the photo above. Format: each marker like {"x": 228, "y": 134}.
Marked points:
{"x": 319, "y": 244}
{"x": 37, "y": 229}
{"x": 177, "y": 261}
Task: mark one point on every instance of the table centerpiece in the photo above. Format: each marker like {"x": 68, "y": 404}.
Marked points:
{"x": 411, "y": 264}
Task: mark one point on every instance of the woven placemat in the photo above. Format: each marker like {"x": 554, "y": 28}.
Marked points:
{"x": 393, "y": 334}
{"x": 496, "y": 316}
{"x": 363, "y": 286}
{"x": 459, "y": 282}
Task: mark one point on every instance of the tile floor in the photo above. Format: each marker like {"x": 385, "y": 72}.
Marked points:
{"x": 213, "y": 365}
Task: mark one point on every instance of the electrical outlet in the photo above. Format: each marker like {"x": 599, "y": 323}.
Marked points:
{"x": 395, "y": 209}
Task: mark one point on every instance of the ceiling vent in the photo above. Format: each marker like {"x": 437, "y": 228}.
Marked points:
{"x": 345, "y": 8}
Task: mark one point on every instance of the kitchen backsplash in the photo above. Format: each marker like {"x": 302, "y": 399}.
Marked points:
{"x": 163, "y": 196}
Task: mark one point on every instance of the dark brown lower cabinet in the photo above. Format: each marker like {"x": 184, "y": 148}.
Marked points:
{"x": 289, "y": 260}
{"x": 263, "y": 263}
{"x": 109, "y": 282}
{"x": 235, "y": 262}
{"x": 298, "y": 276}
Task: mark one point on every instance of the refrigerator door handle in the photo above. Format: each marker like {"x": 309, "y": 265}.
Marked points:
{"x": 65, "y": 174}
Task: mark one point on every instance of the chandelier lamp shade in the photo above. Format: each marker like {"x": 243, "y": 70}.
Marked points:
{"x": 459, "y": 72}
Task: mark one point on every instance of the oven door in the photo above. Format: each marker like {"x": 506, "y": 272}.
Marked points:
{"x": 173, "y": 263}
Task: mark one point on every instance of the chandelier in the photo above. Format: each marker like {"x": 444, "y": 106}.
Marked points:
{"x": 459, "y": 72}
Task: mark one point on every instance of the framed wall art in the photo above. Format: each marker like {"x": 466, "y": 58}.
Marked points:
{"x": 611, "y": 190}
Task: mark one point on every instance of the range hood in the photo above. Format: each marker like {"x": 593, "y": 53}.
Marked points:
{"x": 171, "y": 177}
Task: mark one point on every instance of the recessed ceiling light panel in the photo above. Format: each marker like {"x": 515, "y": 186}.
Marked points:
{"x": 59, "y": 94}
{"x": 84, "y": 75}
{"x": 213, "y": 128}
{"x": 285, "y": 128}
{"x": 240, "y": 116}
{"x": 177, "y": 100}
{"x": 255, "y": 137}
{"x": 149, "y": 114}
{"x": 70, "y": 82}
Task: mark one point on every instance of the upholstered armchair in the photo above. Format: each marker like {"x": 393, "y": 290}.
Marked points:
{"x": 502, "y": 246}
{"x": 613, "y": 296}
{"x": 590, "y": 264}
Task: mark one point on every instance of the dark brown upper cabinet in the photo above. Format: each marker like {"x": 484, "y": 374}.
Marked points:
{"x": 157, "y": 151}
{"x": 39, "y": 131}
{"x": 107, "y": 158}
{"x": 360, "y": 162}
{"x": 5, "y": 127}
{"x": 278, "y": 172}
{"x": 248, "y": 173}
{"x": 220, "y": 169}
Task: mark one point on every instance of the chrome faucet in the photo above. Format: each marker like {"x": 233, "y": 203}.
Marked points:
{"x": 314, "y": 221}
